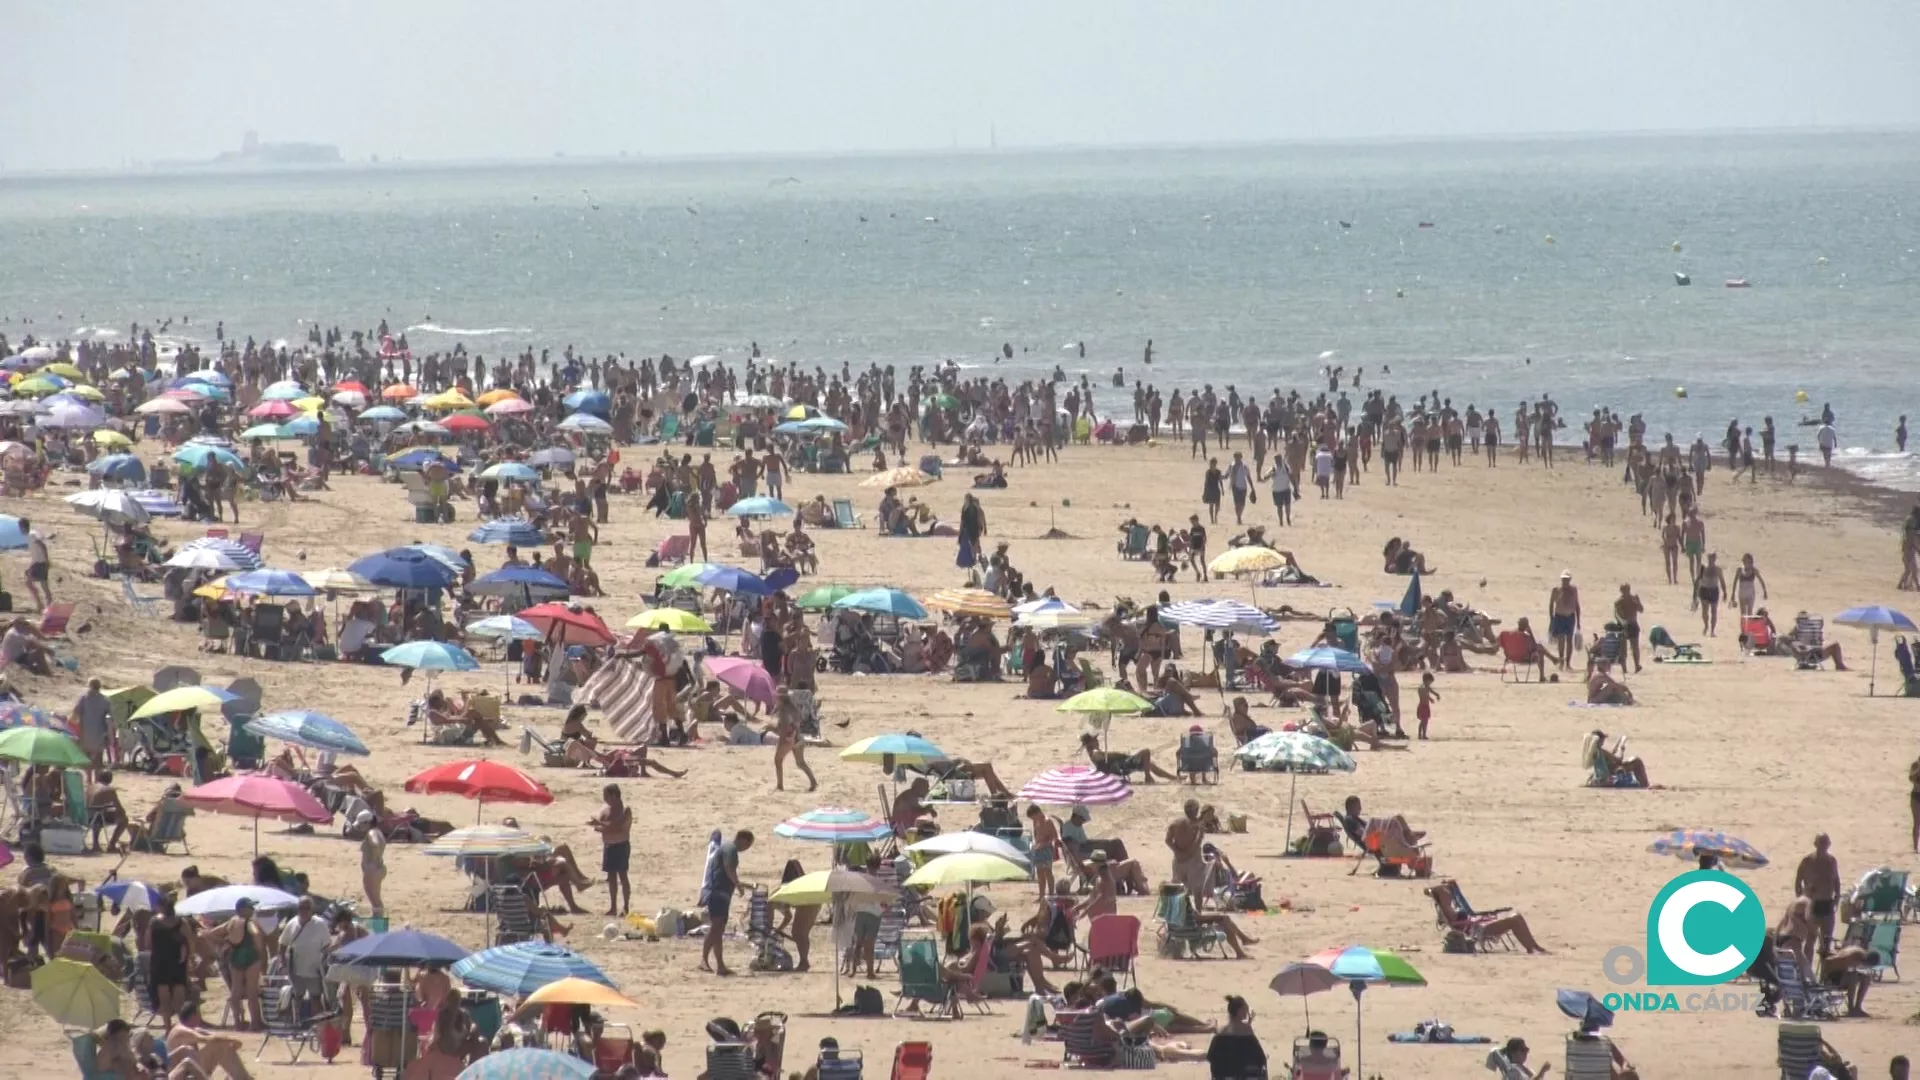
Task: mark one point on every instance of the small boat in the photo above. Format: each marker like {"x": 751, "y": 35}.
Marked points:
{"x": 1426, "y": 224}
{"x": 1681, "y": 279}
{"x": 1737, "y": 283}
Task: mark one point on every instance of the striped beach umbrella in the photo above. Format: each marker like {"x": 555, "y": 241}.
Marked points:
{"x": 1076, "y": 785}
{"x": 834, "y": 825}
{"x": 1241, "y": 618}
{"x": 1327, "y": 658}
{"x": 907, "y": 749}
{"x": 975, "y": 602}
{"x": 1733, "y": 852}
{"x": 14, "y": 714}
{"x": 528, "y": 1063}
{"x": 519, "y": 969}
{"x": 487, "y": 842}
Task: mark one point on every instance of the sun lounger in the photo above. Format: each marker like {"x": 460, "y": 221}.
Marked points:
{"x": 1454, "y": 914}
{"x": 147, "y": 606}
{"x": 912, "y": 1060}
{"x": 1676, "y": 652}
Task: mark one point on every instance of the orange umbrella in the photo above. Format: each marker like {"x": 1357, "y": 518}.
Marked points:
{"x": 399, "y": 392}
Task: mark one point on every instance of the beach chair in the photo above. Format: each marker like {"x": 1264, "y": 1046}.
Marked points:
{"x": 673, "y": 550}
{"x": 1888, "y": 897}
{"x": 1454, "y": 914}
{"x": 1317, "y": 1064}
{"x": 169, "y": 828}
{"x": 265, "y": 631}
{"x": 1881, "y": 936}
{"x": 283, "y": 1020}
{"x": 1609, "y": 648}
{"x": 86, "y": 1054}
{"x": 1113, "y": 943}
{"x": 730, "y": 1061}
{"x": 912, "y": 1061}
{"x": 1197, "y": 757}
{"x": 1755, "y": 638}
{"x": 886, "y": 941}
{"x": 513, "y": 919}
{"x": 245, "y": 750}
{"x": 1658, "y": 638}
{"x": 1589, "y": 1058}
{"x": 1802, "y": 999}
{"x": 54, "y": 620}
{"x": 843, "y": 515}
{"x": 919, "y": 963}
{"x": 552, "y": 756}
{"x": 613, "y": 1049}
{"x": 145, "y": 606}
{"x": 1135, "y": 544}
{"x": 1085, "y": 1039}
{"x": 842, "y": 1065}
{"x": 1370, "y": 840}
{"x": 1809, "y": 639}
{"x": 1797, "y": 1050}
{"x": 767, "y": 952}
{"x": 1516, "y": 657}
{"x": 1179, "y": 930}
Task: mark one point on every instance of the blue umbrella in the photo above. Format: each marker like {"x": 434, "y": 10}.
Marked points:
{"x": 822, "y": 425}
{"x": 205, "y": 389}
{"x": 588, "y": 401}
{"x": 520, "y": 969}
{"x": 510, "y": 470}
{"x": 443, "y": 553}
{"x": 197, "y": 455}
{"x": 791, "y": 427}
{"x": 212, "y": 375}
{"x": 430, "y": 656}
{"x": 400, "y": 948}
{"x": 12, "y": 536}
{"x": 285, "y": 390}
{"x": 507, "y": 531}
{"x": 132, "y": 895}
{"x": 1585, "y": 1008}
{"x": 885, "y": 601}
{"x": 269, "y": 583}
{"x": 157, "y": 503}
{"x": 505, "y": 628}
{"x": 15, "y": 714}
{"x": 759, "y": 506}
{"x": 586, "y": 423}
{"x": 734, "y": 579}
{"x": 1410, "y": 603}
{"x": 529, "y": 581}
{"x": 405, "y": 568}
{"x": 1325, "y": 658}
{"x": 383, "y": 413}
{"x": 315, "y": 731}
{"x": 417, "y": 461}
{"x": 1874, "y": 619}
{"x": 528, "y": 1063}
{"x": 304, "y": 424}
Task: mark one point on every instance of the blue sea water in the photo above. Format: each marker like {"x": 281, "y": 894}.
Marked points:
{"x": 1234, "y": 261}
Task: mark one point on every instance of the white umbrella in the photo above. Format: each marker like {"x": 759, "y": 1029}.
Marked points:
{"x": 966, "y": 840}
{"x": 206, "y": 558}
{"x": 23, "y": 407}
{"x": 163, "y": 405}
{"x": 72, "y": 414}
{"x": 111, "y": 505}
{"x": 221, "y": 901}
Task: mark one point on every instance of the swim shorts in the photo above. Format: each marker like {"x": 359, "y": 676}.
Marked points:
{"x": 1560, "y": 626}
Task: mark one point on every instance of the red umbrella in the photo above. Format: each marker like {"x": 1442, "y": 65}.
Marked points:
{"x": 351, "y": 384}
{"x": 464, "y": 422}
{"x": 565, "y": 625}
{"x": 272, "y": 410}
{"x": 746, "y": 676}
{"x": 482, "y": 781}
{"x": 256, "y": 796}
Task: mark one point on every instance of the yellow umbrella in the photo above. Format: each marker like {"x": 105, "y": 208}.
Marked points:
{"x": 970, "y": 602}
{"x": 1104, "y": 700}
{"x": 82, "y": 390}
{"x": 76, "y": 995}
{"x": 180, "y": 699}
{"x": 66, "y": 371}
{"x": 573, "y": 991}
{"x": 1250, "y": 559}
{"x": 309, "y": 404}
{"x": 674, "y": 619}
{"x": 821, "y": 886}
{"x": 494, "y": 397}
{"x": 213, "y": 590}
{"x": 111, "y": 438}
{"x": 451, "y": 399}
{"x": 966, "y": 868}
{"x": 335, "y": 579}
{"x": 904, "y": 476}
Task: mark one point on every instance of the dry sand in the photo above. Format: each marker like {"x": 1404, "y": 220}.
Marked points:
{"x": 1749, "y": 746}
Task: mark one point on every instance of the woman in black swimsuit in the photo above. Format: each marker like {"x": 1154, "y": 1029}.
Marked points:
{"x": 167, "y": 963}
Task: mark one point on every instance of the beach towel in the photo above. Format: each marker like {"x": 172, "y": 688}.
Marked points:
{"x": 1451, "y": 1040}
{"x": 1596, "y": 705}
{"x": 1681, "y": 660}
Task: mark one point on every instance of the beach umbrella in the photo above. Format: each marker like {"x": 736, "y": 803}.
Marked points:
{"x": 39, "y": 386}
{"x": 404, "y": 568}
{"x": 76, "y": 995}
{"x": 1043, "y": 605}
{"x": 884, "y": 602}
{"x": 465, "y": 422}
{"x": 519, "y": 969}
{"x": 671, "y": 619}
{"x": 1583, "y": 1007}
{"x": 970, "y": 841}
{"x": 197, "y": 456}
{"x": 66, "y": 371}
{"x": 257, "y": 795}
{"x": 301, "y": 426}
{"x": 350, "y": 399}
{"x": 823, "y": 425}
{"x": 269, "y": 583}
{"x": 130, "y": 895}
{"x": 588, "y": 401}
{"x": 1076, "y": 785}
{"x": 223, "y": 900}
{"x": 1410, "y": 600}
{"x": 1360, "y": 968}
{"x": 284, "y": 390}
{"x": 1104, "y": 703}
{"x": 1296, "y": 752}
{"x": 272, "y": 409}
{"x": 688, "y": 576}
{"x": 420, "y": 458}
{"x": 1231, "y": 615}
{"x": 1874, "y": 619}
{"x": 487, "y": 842}
{"x": 1247, "y": 559}
{"x": 113, "y": 440}
{"x": 565, "y": 625}
{"x": 509, "y": 407}
{"x": 482, "y": 781}
{"x": 834, "y": 825}
{"x": 448, "y": 400}
{"x": 22, "y": 407}
{"x": 571, "y": 991}
{"x": 1689, "y": 844}
{"x": 184, "y": 699}
{"x": 430, "y": 656}
{"x": 891, "y": 750}
{"x": 73, "y": 416}
{"x": 398, "y": 392}
{"x": 384, "y": 414}
{"x": 110, "y": 506}
{"x": 505, "y": 628}
{"x": 157, "y": 503}
{"x": 517, "y": 531}
{"x": 215, "y": 553}
{"x": 309, "y": 404}
{"x": 42, "y": 746}
{"x": 760, "y": 401}
{"x": 801, "y": 412}
{"x": 118, "y": 467}
{"x": 447, "y": 557}
{"x": 904, "y": 476}
{"x": 528, "y": 1063}
{"x": 747, "y": 677}
{"x": 552, "y": 457}
{"x": 12, "y": 536}
{"x": 821, "y": 597}
{"x": 334, "y": 579}
{"x": 1327, "y": 658}
{"x": 966, "y": 868}
{"x": 529, "y": 582}
{"x": 19, "y": 714}
{"x": 976, "y": 602}
{"x": 586, "y": 424}
{"x": 759, "y": 506}
{"x": 1302, "y": 981}
{"x": 304, "y": 727}
{"x": 494, "y": 397}
{"x": 264, "y": 431}
{"x": 1053, "y": 619}
{"x": 835, "y": 886}
{"x": 510, "y": 470}
{"x": 400, "y": 948}
{"x": 734, "y": 579}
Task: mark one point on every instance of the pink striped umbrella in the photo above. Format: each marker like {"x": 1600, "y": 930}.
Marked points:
{"x": 272, "y": 410}
{"x": 257, "y": 795}
{"x": 746, "y": 676}
{"x": 1069, "y": 785}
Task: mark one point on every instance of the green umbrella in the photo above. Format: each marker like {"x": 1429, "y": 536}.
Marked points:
{"x": 943, "y": 401}
{"x": 685, "y": 576}
{"x": 38, "y": 746}
{"x": 823, "y": 596}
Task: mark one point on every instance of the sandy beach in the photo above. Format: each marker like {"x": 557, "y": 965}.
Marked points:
{"x": 1747, "y": 745}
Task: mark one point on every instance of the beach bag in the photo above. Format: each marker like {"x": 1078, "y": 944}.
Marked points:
{"x": 868, "y": 1002}
{"x": 1456, "y": 942}
{"x": 670, "y": 922}
{"x": 329, "y": 1042}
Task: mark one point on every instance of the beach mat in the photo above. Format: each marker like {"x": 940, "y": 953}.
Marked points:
{"x": 1595, "y": 705}
{"x": 1679, "y": 660}
{"x": 1455, "y": 1040}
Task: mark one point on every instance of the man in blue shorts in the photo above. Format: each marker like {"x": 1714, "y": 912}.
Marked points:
{"x": 723, "y": 880}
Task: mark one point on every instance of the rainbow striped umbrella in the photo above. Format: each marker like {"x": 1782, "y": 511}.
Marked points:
{"x": 834, "y": 825}
{"x": 1076, "y": 785}
{"x": 15, "y": 714}
{"x": 1734, "y": 853}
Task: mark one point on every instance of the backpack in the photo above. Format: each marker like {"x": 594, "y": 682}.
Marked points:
{"x": 868, "y": 1002}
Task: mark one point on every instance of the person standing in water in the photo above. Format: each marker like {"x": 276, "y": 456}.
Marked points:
{"x": 1148, "y": 358}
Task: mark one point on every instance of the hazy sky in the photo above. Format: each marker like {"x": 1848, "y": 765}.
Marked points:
{"x": 97, "y": 83}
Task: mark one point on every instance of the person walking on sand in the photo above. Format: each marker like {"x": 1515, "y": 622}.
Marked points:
{"x": 1627, "y": 609}
{"x": 1186, "y": 840}
{"x": 1426, "y": 695}
{"x": 723, "y": 880}
{"x": 1210, "y": 485}
{"x": 614, "y": 823}
{"x": 1818, "y": 879}
{"x": 1240, "y": 481}
{"x": 39, "y": 566}
{"x": 1828, "y": 440}
{"x": 1670, "y": 547}
{"x": 1693, "y": 541}
{"x": 696, "y": 528}
{"x": 1563, "y": 619}
{"x": 1708, "y": 587}
{"x": 373, "y": 859}
{"x": 786, "y": 728}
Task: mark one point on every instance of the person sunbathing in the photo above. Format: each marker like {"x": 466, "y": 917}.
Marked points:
{"x": 1601, "y": 762}
{"x": 442, "y": 713}
{"x": 1240, "y": 723}
{"x": 1173, "y": 697}
{"x": 1041, "y": 681}
{"x": 1850, "y": 970}
{"x": 800, "y": 551}
{"x": 1123, "y": 765}
{"x": 1401, "y": 558}
{"x": 1814, "y": 654}
{"x": 1348, "y": 735}
{"x": 1604, "y": 689}
{"x": 1487, "y": 926}
{"x": 1398, "y": 840}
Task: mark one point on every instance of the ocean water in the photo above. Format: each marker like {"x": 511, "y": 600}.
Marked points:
{"x": 1548, "y": 267}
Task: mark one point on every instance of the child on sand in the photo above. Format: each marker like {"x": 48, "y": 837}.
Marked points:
{"x": 1427, "y": 696}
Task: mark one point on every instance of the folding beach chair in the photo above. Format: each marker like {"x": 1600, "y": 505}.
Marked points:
{"x": 1113, "y": 943}
{"x": 1180, "y": 932}
{"x": 1370, "y": 841}
{"x": 1658, "y": 638}
{"x": 147, "y": 606}
{"x": 843, "y": 515}
{"x": 842, "y": 1065}
{"x": 551, "y": 755}
{"x": 1197, "y": 757}
{"x": 1887, "y": 899}
{"x": 253, "y": 541}
{"x": 1800, "y": 998}
{"x": 1755, "y": 638}
{"x": 912, "y": 1061}
{"x": 1135, "y": 544}
{"x": 281, "y": 1014}
{"x": 730, "y": 1061}
{"x": 1798, "y": 1050}
{"x": 1516, "y": 657}
{"x": 513, "y": 919}
{"x": 1085, "y": 1039}
{"x": 1809, "y": 639}
{"x": 54, "y": 620}
{"x": 1880, "y": 936}
{"x": 1317, "y": 1064}
{"x": 768, "y": 955}
{"x": 920, "y": 975}
{"x": 1588, "y": 1058}
{"x": 1453, "y": 913}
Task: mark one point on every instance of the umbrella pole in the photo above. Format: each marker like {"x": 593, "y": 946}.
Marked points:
{"x": 1293, "y": 784}
{"x": 1359, "y": 1042}
{"x": 256, "y": 836}
{"x": 1873, "y": 668}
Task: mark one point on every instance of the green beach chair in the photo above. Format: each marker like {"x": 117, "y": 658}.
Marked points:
{"x": 920, "y": 974}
